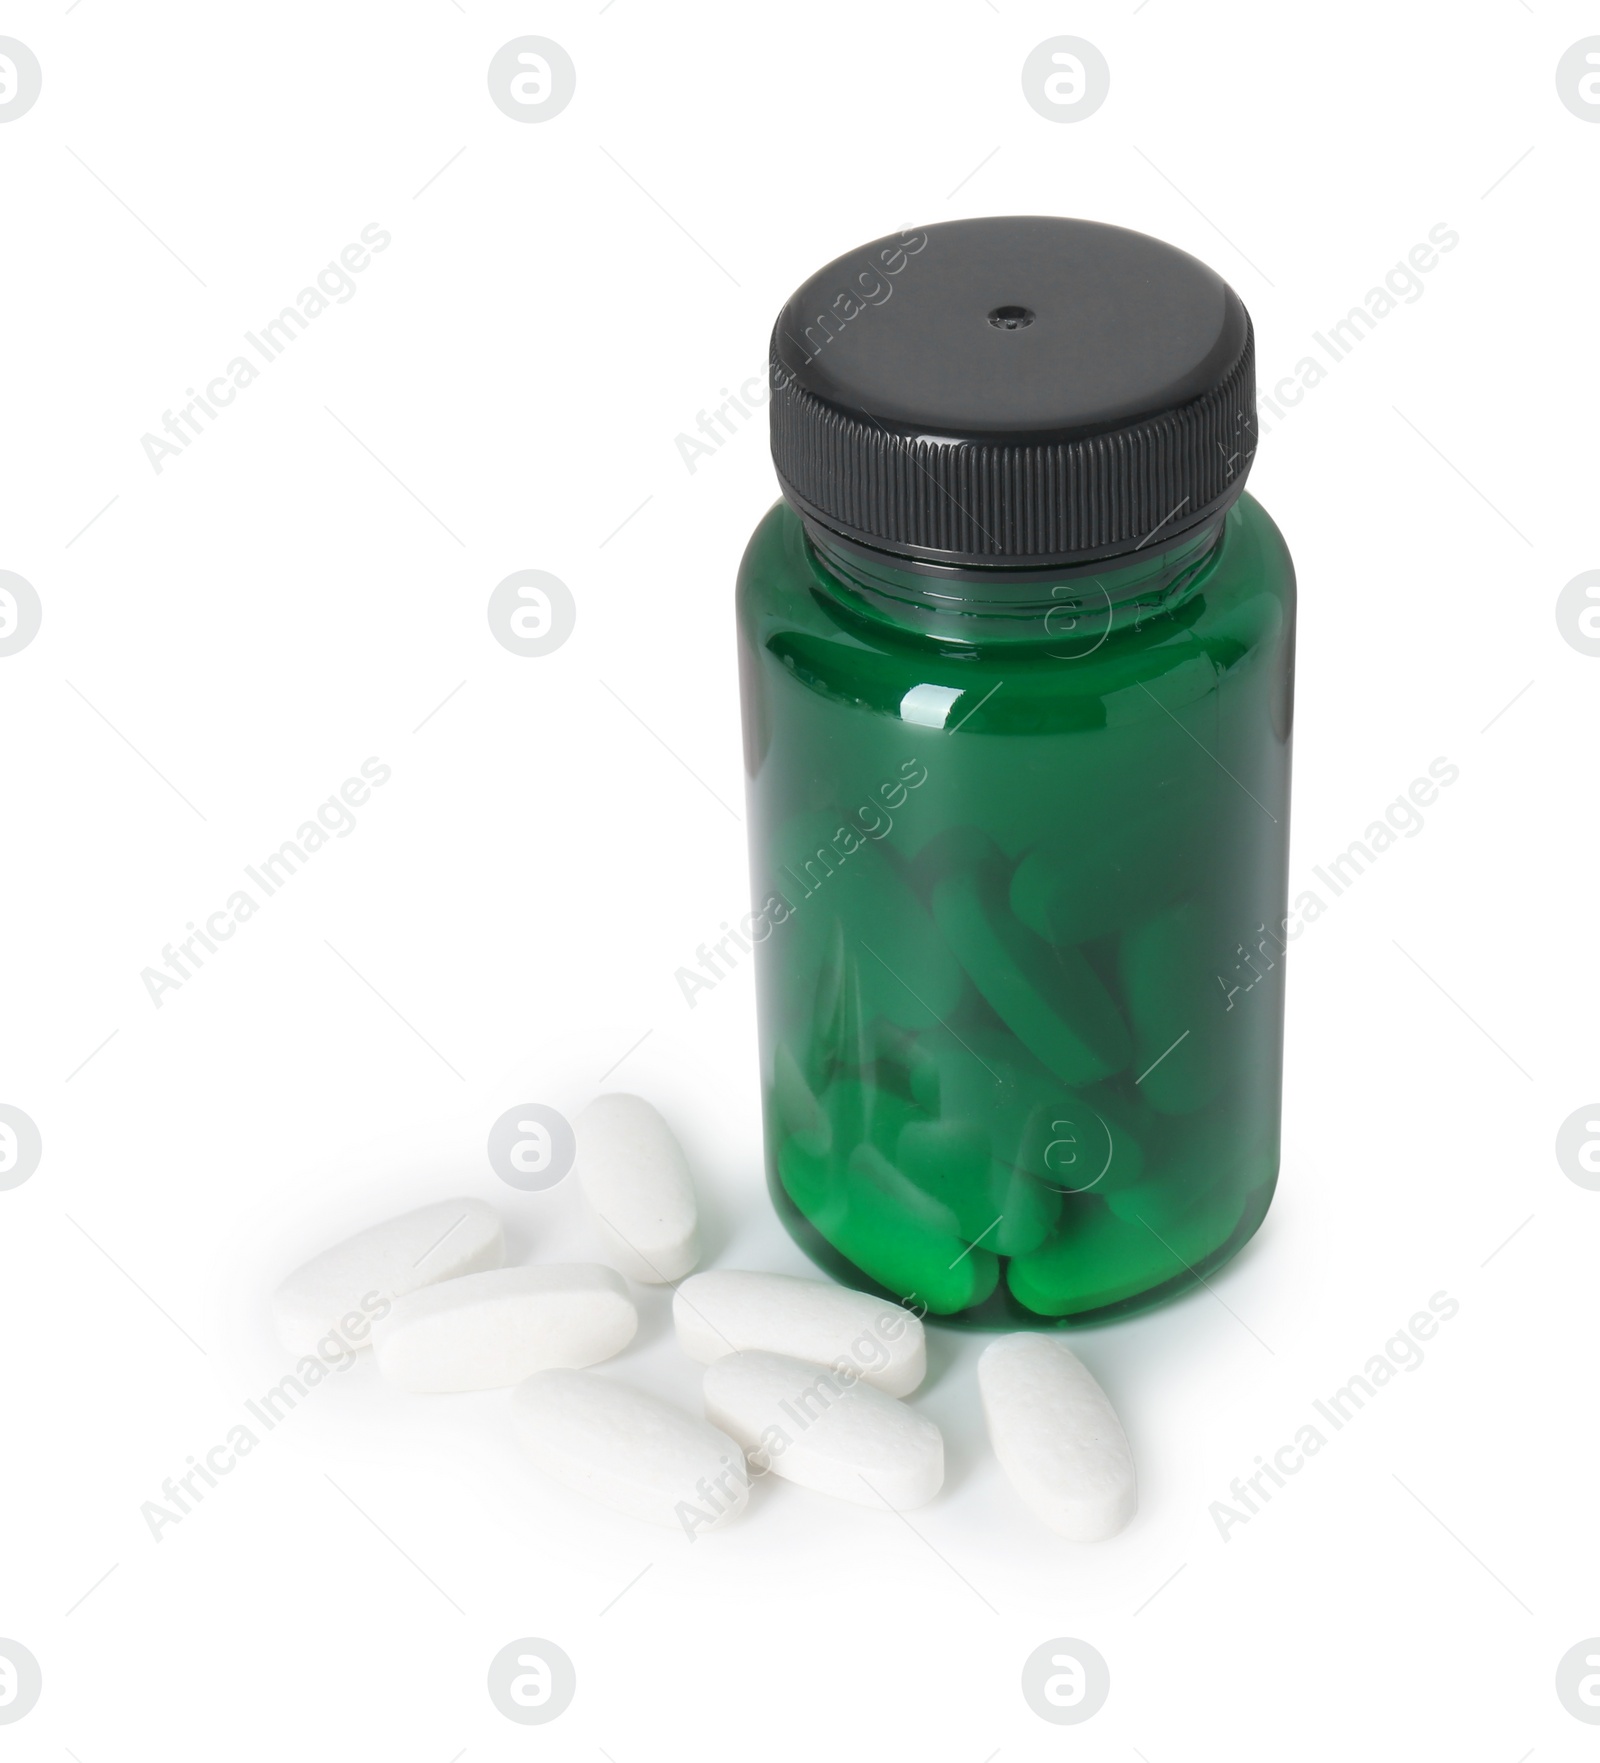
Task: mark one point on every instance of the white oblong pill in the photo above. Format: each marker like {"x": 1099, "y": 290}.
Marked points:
{"x": 384, "y": 1262}
{"x": 728, "y": 1311}
{"x": 630, "y": 1451}
{"x": 489, "y": 1330}
{"x": 825, "y": 1430}
{"x": 1057, "y": 1436}
{"x": 635, "y": 1182}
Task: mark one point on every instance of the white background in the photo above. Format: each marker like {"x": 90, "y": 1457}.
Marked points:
{"x": 231, "y": 637}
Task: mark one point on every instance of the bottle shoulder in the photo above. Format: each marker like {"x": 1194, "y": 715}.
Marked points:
{"x": 1239, "y": 607}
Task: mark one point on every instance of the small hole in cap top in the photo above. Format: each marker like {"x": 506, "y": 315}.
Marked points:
{"x": 1010, "y": 318}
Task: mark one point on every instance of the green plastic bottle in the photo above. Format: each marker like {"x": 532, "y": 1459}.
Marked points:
{"x": 1017, "y": 658}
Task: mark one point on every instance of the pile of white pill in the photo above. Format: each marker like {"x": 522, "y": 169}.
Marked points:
{"x": 805, "y": 1380}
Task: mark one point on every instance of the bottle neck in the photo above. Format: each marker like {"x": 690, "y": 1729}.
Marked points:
{"x": 1069, "y": 611}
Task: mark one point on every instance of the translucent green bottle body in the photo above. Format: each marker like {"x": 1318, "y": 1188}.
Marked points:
{"x": 1018, "y": 857}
